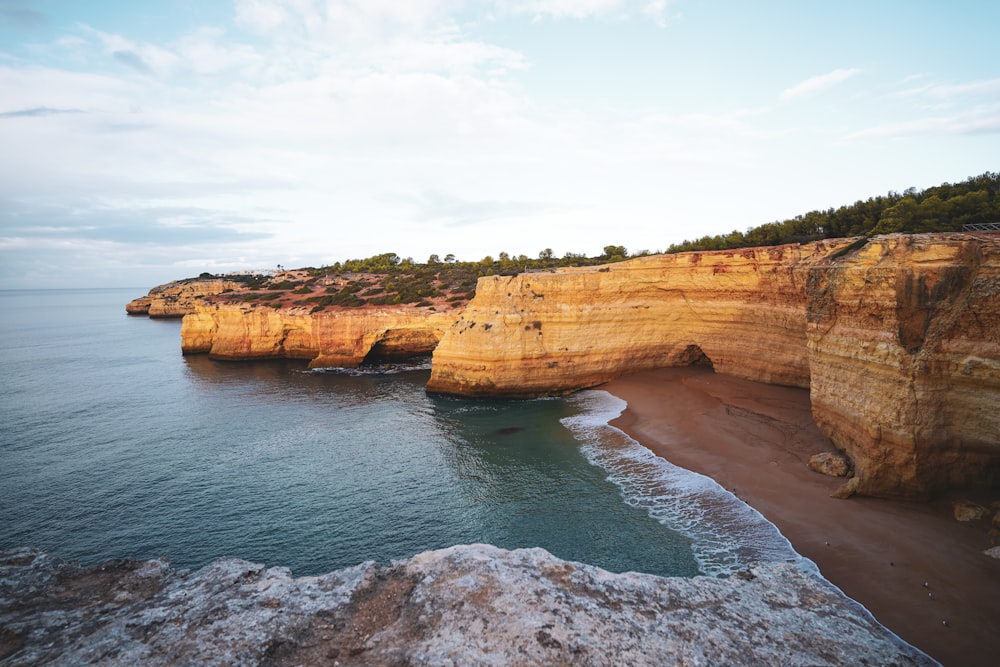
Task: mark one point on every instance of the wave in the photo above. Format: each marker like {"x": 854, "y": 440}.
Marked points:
{"x": 726, "y": 534}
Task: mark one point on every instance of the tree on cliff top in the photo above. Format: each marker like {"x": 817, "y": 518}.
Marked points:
{"x": 943, "y": 208}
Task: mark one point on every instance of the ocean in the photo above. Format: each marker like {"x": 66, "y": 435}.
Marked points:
{"x": 115, "y": 445}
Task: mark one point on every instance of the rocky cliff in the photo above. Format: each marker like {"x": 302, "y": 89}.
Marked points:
{"x": 343, "y": 337}
{"x": 535, "y": 334}
{"x": 904, "y": 357}
{"x": 898, "y": 339}
{"x": 471, "y": 605}
{"x": 178, "y": 298}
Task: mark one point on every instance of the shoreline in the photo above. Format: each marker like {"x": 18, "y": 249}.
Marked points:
{"x": 756, "y": 439}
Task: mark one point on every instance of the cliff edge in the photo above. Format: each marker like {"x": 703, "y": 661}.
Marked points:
{"x": 462, "y": 605}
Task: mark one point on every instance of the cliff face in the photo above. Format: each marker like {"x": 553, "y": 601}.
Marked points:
{"x": 898, "y": 340}
{"x": 904, "y": 349}
{"x": 178, "y": 298}
{"x": 463, "y": 605}
{"x": 331, "y": 338}
{"x": 548, "y": 333}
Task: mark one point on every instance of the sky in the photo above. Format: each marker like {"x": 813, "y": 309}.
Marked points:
{"x": 146, "y": 141}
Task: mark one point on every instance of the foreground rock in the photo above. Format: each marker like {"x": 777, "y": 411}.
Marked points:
{"x": 471, "y": 605}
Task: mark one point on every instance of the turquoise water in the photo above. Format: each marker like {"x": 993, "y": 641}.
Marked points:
{"x": 113, "y": 445}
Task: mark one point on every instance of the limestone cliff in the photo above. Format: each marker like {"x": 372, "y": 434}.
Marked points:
{"x": 178, "y": 298}
{"x": 904, "y": 351}
{"x": 342, "y": 337}
{"x": 898, "y": 339}
{"x": 548, "y": 333}
{"x": 470, "y": 605}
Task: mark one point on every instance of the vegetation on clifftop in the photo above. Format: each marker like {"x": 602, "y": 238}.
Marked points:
{"x": 944, "y": 208}
{"x": 387, "y": 279}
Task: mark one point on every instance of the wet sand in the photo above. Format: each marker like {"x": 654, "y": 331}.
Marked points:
{"x": 756, "y": 440}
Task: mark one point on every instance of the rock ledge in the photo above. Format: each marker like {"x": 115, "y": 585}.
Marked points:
{"x": 463, "y": 605}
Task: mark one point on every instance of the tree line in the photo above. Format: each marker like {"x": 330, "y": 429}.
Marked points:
{"x": 943, "y": 208}
{"x": 503, "y": 264}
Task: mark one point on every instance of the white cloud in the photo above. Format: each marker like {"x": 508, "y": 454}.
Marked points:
{"x": 818, "y": 83}
{"x": 984, "y": 121}
{"x": 582, "y": 9}
{"x": 353, "y": 21}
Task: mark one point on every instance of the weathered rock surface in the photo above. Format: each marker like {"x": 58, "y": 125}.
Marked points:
{"x": 178, "y": 298}
{"x": 828, "y": 463}
{"x": 547, "y": 333}
{"x": 897, "y": 338}
{"x": 470, "y": 605}
{"x": 904, "y": 358}
{"x": 342, "y": 337}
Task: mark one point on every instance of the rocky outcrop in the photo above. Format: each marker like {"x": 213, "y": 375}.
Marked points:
{"x": 178, "y": 298}
{"x": 344, "y": 337}
{"x": 534, "y": 334}
{"x": 904, "y": 357}
{"x": 897, "y": 338}
{"x": 470, "y": 605}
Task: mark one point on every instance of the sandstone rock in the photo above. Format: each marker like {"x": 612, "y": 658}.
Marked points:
{"x": 139, "y": 306}
{"x": 966, "y": 510}
{"x": 741, "y": 311}
{"x": 470, "y": 605}
{"x": 897, "y": 338}
{"x": 332, "y": 338}
{"x": 178, "y": 298}
{"x": 904, "y": 350}
{"x": 829, "y": 463}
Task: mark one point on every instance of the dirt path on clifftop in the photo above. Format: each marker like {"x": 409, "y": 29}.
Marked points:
{"x": 756, "y": 439}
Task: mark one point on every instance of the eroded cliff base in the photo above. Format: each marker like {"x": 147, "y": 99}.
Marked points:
{"x": 463, "y": 605}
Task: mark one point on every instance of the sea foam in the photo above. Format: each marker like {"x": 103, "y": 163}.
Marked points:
{"x": 726, "y": 534}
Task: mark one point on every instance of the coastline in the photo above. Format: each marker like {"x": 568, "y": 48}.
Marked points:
{"x": 756, "y": 439}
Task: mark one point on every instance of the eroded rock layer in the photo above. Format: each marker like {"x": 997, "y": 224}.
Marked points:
{"x": 904, "y": 356}
{"x": 898, "y": 339}
{"x": 178, "y": 298}
{"x": 332, "y": 338}
{"x": 470, "y": 605}
{"x": 547, "y": 333}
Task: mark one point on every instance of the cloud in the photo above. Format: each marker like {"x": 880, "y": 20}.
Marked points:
{"x": 819, "y": 83}
{"x": 21, "y": 17}
{"x": 36, "y": 112}
{"x": 131, "y": 59}
{"x": 584, "y": 9}
{"x": 452, "y": 211}
{"x": 954, "y": 92}
{"x": 355, "y": 21}
{"x": 163, "y": 226}
{"x": 962, "y": 124}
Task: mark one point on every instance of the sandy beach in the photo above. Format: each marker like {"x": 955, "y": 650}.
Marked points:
{"x": 920, "y": 572}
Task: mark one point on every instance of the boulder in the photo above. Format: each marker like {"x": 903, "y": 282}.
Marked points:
{"x": 830, "y": 463}
{"x": 966, "y": 510}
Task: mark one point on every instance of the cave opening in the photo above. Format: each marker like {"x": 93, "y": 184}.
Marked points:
{"x": 693, "y": 355}
{"x": 380, "y": 355}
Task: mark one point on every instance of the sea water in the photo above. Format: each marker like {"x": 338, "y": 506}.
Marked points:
{"x": 114, "y": 445}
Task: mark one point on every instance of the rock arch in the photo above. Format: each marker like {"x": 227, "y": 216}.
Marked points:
{"x": 392, "y": 345}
